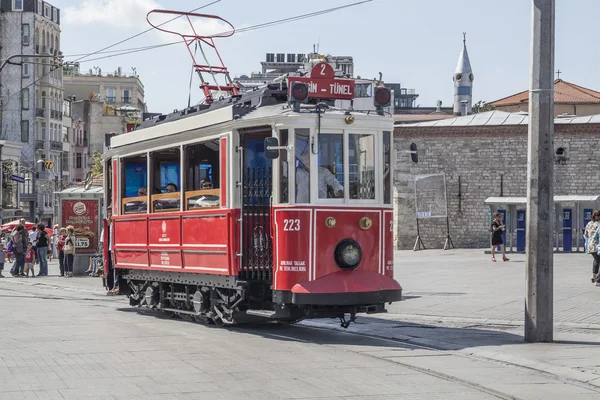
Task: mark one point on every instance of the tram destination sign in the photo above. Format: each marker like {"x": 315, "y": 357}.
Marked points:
{"x": 322, "y": 84}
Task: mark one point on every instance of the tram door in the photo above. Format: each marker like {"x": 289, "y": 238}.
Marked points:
{"x": 257, "y": 249}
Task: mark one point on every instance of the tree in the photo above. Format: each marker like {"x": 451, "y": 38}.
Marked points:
{"x": 96, "y": 169}
{"x": 481, "y": 106}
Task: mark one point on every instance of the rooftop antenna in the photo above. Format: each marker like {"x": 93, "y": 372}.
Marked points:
{"x": 465, "y": 38}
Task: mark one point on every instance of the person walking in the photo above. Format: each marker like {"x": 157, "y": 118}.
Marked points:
{"x": 29, "y": 259}
{"x": 592, "y": 242}
{"x": 69, "y": 250}
{"x": 20, "y": 240}
{"x": 42, "y": 249}
{"x": 33, "y": 240}
{"x": 60, "y": 244}
{"x": 2, "y": 259}
{"x": 497, "y": 228}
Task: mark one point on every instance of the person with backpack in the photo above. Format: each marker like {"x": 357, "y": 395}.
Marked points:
{"x": 20, "y": 240}
{"x": 69, "y": 251}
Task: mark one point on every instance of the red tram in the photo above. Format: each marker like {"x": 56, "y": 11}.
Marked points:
{"x": 267, "y": 205}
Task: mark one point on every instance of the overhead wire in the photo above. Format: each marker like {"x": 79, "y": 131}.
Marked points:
{"x": 241, "y": 30}
{"x": 105, "y": 48}
{"x": 152, "y": 47}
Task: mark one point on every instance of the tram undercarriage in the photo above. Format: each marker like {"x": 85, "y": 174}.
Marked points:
{"x": 223, "y": 300}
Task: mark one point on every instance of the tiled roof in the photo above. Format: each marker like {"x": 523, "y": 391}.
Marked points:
{"x": 497, "y": 117}
{"x": 564, "y": 92}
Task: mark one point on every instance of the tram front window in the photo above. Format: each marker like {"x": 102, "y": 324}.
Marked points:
{"x": 361, "y": 154}
{"x": 202, "y": 176}
{"x": 135, "y": 180}
{"x": 331, "y": 160}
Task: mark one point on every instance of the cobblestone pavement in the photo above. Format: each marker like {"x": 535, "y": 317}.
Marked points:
{"x": 65, "y": 339}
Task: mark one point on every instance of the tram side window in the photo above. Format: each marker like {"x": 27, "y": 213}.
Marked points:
{"x": 202, "y": 176}
{"x": 361, "y": 173}
{"x": 165, "y": 177}
{"x": 302, "y": 154}
{"x": 134, "y": 186}
{"x": 283, "y": 167}
{"x": 331, "y": 162}
{"x": 387, "y": 151}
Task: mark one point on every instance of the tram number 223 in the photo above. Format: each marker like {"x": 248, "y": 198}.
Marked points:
{"x": 291, "y": 225}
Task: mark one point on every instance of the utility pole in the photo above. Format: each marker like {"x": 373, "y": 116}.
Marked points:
{"x": 539, "y": 298}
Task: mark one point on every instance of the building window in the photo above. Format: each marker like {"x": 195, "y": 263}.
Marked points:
{"x": 270, "y": 57}
{"x": 110, "y": 95}
{"x": 47, "y": 12}
{"x": 43, "y": 131}
{"x": 291, "y": 58}
{"x": 39, "y": 7}
{"x": 17, "y": 5}
{"x": 25, "y": 69}
{"x": 24, "y": 131}
{"x": 78, "y": 160}
{"x": 25, "y": 34}
{"x": 362, "y": 90}
{"x": 126, "y": 96}
{"x": 44, "y": 100}
{"x": 25, "y": 99}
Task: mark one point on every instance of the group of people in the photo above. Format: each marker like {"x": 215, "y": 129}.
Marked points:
{"x": 30, "y": 249}
{"x": 591, "y": 236}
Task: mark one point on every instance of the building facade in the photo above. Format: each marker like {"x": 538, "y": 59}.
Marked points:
{"x": 31, "y": 107}
{"x": 116, "y": 89}
{"x": 482, "y": 156}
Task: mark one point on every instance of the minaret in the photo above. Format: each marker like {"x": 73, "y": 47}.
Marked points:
{"x": 463, "y": 81}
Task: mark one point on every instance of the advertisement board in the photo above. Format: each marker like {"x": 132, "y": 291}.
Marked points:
{"x": 83, "y": 215}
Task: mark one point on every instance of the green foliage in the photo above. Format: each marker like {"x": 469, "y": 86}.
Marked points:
{"x": 96, "y": 169}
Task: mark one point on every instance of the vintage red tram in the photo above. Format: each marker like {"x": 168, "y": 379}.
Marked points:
{"x": 266, "y": 205}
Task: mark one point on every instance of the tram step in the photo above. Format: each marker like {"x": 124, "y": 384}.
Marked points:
{"x": 261, "y": 313}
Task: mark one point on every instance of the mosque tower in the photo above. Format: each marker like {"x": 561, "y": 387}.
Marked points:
{"x": 463, "y": 82}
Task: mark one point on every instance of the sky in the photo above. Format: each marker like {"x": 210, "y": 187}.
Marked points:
{"x": 412, "y": 42}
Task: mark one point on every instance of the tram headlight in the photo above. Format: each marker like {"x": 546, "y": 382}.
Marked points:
{"x": 348, "y": 254}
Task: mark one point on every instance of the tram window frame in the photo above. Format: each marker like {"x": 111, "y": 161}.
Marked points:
{"x": 193, "y": 184}
{"x": 284, "y": 182}
{"x": 356, "y": 177}
{"x": 139, "y": 204}
{"x": 387, "y": 167}
{"x": 160, "y": 199}
{"x": 301, "y": 144}
{"x": 337, "y": 169}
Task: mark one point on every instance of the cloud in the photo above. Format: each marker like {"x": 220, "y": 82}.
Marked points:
{"x": 132, "y": 14}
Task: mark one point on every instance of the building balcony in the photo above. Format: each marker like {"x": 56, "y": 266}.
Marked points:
{"x": 56, "y": 145}
{"x": 44, "y": 49}
{"x": 111, "y": 99}
{"x": 126, "y": 100}
{"x": 39, "y": 112}
{"x": 37, "y": 49}
{"x": 39, "y": 145}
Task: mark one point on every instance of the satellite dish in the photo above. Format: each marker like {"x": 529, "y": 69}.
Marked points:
{"x": 88, "y": 180}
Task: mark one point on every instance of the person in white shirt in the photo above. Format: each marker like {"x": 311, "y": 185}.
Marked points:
{"x": 326, "y": 178}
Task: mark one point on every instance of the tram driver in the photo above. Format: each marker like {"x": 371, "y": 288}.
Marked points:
{"x": 326, "y": 178}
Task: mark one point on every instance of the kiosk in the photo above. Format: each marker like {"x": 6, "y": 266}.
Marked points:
{"x": 82, "y": 209}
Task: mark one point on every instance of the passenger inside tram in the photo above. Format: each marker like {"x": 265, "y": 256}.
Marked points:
{"x": 326, "y": 180}
{"x": 171, "y": 188}
{"x": 202, "y": 176}
{"x": 134, "y": 178}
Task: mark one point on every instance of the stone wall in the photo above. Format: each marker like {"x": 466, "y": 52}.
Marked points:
{"x": 488, "y": 161}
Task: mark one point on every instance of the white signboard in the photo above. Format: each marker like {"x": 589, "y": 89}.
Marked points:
{"x": 430, "y": 196}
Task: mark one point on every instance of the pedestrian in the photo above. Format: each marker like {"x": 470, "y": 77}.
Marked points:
{"x": 497, "y": 229}
{"x": 60, "y": 244}
{"x": 29, "y": 261}
{"x": 2, "y": 259}
{"x": 69, "y": 250}
{"x": 20, "y": 240}
{"x": 33, "y": 239}
{"x": 42, "y": 249}
{"x": 113, "y": 276}
{"x": 592, "y": 242}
